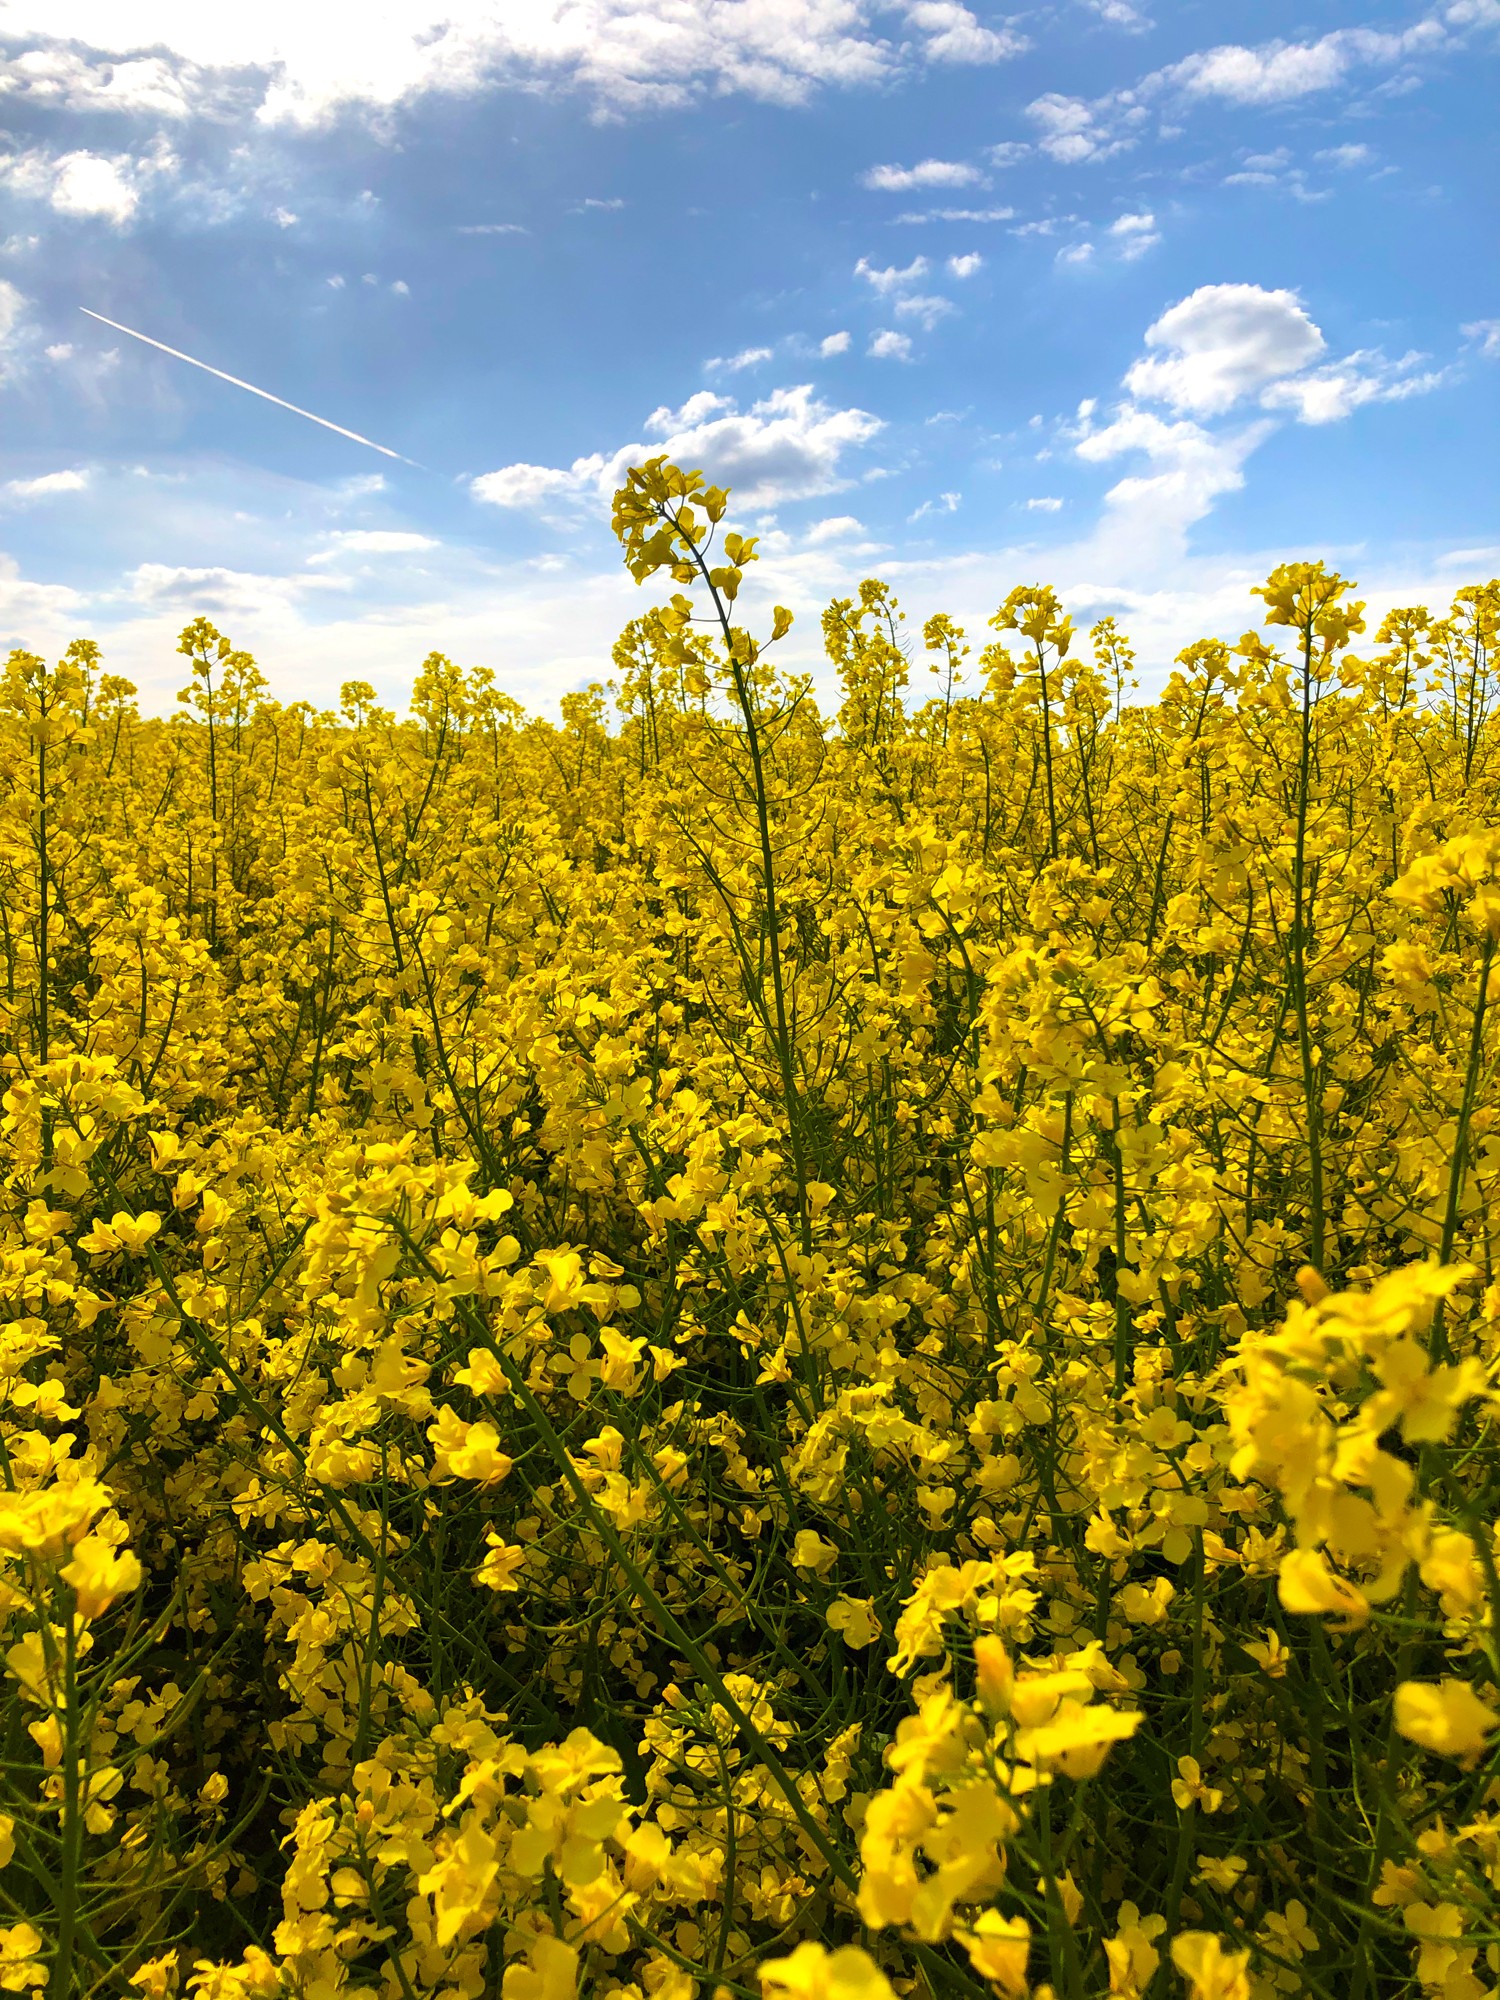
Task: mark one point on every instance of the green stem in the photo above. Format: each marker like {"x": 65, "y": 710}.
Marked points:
{"x": 1310, "y": 1091}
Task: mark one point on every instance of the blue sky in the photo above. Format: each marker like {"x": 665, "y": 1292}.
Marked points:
{"x": 1136, "y": 303}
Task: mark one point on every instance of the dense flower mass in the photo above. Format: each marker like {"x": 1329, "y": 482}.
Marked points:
{"x": 746, "y": 1354}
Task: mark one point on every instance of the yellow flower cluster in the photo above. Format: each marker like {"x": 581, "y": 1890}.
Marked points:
{"x": 720, "y": 1354}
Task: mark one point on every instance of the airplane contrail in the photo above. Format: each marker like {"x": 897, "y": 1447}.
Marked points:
{"x": 178, "y": 356}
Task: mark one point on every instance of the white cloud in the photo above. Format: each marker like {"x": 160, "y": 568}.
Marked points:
{"x": 336, "y": 284}
{"x": 833, "y": 343}
{"x": 1191, "y": 467}
{"x": 1487, "y": 333}
{"x": 1075, "y": 254}
{"x": 926, "y": 311}
{"x": 490, "y": 229}
{"x": 373, "y": 542}
{"x": 298, "y": 64}
{"x": 369, "y": 278}
{"x": 1278, "y": 72}
{"x": 284, "y": 217}
{"x": 401, "y": 288}
{"x": 748, "y": 357}
{"x": 1120, "y": 14}
{"x": 88, "y": 184}
{"x": 15, "y": 334}
{"x": 958, "y": 215}
{"x": 361, "y": 485}
{"x": 946, "y": 503}
{"x": 955, "y": 36}
{"x": 888, "y": 346}
{"x": 60, "y": 351}
{"x": 525, "y": 485}
{"x": 926, "y": 173}
{"x": 1046, "y": 505}
{"x": 1076, "y": 130}
{"x": 1008, "y": 153}
{"x": 1345, "y": 156}
{"x": 47, "y": 485}
{"x": 12, "y": 306}
{"x": 1134, "y": 235}
{"x": 788, "y": 446}
{"x": 965, "y": 266}
{"x": 1227, "y": 342}
{"x": 891, "y": 279}
{"x": 64, "y": 79}
{"x": 592, "y": 201}
{"x": 217, "y": 589}
{"x": 1328, "y": 394}
{"x": 1223, "y": 342}
{"x": 665, "y": 422}
{"x": 836, "y": 528}
{"x": 1077, "y": 133}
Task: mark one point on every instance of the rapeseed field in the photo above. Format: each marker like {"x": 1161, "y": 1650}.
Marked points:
{"x": 755, "y": 1354}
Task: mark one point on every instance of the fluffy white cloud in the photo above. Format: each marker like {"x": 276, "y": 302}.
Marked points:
{"x": 926, "y": 173}
{"x": 1046, "y": 505}
{"x": 665, "y": 422}
{"x": 965, "y": 266}
{"x": 833, "y": 343}
{"x": 955, "y": 36}
{"x": 524, "y": 485}
{"x": 47, "y": 485}
{"x": 300, "y": 65}
{"x": 1486, "y": 333}
{"x": 1227, "y": 342}
{"x": 789, "y": 446}
{"x": 25, "y": 605}
{"x": 891, "y": 279}
{"x": 89, "y": 184}
{"x": 1221, "y": 343}
{"x": 836, "y": 528}
{"x": 888, "y": 346}
{"x": 1277, "y": 72}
